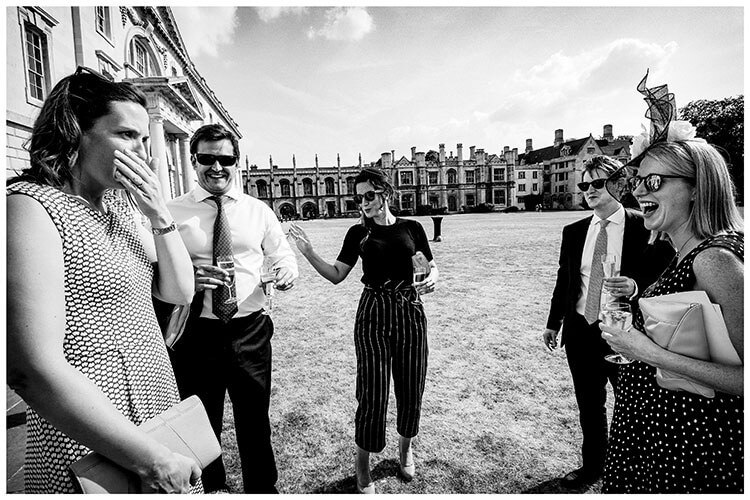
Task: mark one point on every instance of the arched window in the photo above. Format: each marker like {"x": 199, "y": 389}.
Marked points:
{"x": 141, "y": 57}
{"x": 262, "y": 189}
{"x": 452, "y": 178}
{"x": 285, "y": 187}
{"x": 452, "y": 204}
{"x": 307, "y": 186}
{"x": 330, "y": 189}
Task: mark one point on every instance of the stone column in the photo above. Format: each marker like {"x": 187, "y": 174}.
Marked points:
{"x": 188, "y": 173}
{"x": 175, "y": 166}
{"x": 159, "y": 151}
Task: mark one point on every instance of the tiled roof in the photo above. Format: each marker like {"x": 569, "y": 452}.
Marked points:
{"x": 617, "y": 147}
{"x": 552, "y": 152}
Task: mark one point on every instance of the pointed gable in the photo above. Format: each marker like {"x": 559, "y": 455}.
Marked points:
{"x": 403, "y": 162}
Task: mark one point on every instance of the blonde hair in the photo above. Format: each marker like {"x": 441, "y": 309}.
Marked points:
{"x": 713, "y": 211}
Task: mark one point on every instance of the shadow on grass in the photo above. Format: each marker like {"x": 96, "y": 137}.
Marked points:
{"x": 556, "y": 486}
{"x": 383, "y": 469}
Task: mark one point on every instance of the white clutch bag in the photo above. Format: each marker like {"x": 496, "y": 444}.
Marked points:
{"x": 688, "y": 323}
{"x": 183, "y": 428}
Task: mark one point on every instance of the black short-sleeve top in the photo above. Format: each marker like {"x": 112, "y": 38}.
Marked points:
{"x": 387, "y": 251}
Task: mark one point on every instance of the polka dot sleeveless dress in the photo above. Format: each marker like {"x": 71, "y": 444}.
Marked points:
{"x": 664, "y": 441}
{"x": 111, "y": 332}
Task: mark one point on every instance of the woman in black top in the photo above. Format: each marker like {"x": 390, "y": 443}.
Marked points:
{"x": 390, "y": 331}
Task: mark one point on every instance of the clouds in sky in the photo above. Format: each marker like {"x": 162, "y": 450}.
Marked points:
{"x": 217, "y": 27}
{"x": 344, "y": 23}
{"x": 562, "y": 80}
{"x": 268, "y": 14}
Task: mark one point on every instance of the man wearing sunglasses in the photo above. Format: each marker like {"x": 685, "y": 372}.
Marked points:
{"x": 226, "y": 344}
{"x": 575, "y": 303}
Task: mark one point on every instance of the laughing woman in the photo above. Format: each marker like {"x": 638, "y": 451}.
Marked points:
{"x": 667, "y": 441}
{"x": 390, "y": 331}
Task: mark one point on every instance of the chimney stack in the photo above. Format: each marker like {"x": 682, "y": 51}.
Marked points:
{"x": 529, "y": 147}
{"x": 558, "y": 137}
{"x": 480, "y": 157}
{"x": 413, "y": 153}
{"x": 385, "y": 160}
{"x": 441, "y": 155}
{"x": 460, "y": 152}
{"x": 608, "y": 132}
{"x": 419, "y": 158}
{"x": 472, "y": 153}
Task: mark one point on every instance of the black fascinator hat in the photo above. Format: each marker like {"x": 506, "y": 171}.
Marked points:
{"x": 661, "y": 112}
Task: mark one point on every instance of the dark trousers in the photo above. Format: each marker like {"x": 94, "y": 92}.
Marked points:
{"x": 585, "y": 350}
{"x": 390, "y": 334}
{"x": 212, "y": 358}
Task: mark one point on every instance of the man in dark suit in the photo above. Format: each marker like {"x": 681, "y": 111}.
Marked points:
{"x": 575, "y": 303}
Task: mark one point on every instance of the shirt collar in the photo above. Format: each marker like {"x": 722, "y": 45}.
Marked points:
{"x": 616, "y": 218}
{"x": 201, "y": 194}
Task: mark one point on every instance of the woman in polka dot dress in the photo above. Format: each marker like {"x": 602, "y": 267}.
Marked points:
{"x": 84, "y": 348}
{"x": 665, "y": 441}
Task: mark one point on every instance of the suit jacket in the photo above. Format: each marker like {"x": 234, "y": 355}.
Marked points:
{"x": 640, "y": 261}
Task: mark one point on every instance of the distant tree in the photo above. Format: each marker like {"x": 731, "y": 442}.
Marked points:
{"x": 432, "y": 156}
{"x": 721, "y": 122}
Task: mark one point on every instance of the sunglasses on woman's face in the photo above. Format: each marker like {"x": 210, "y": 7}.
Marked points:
{"x": 369, "y": 196}
{"x": 652, "y": 182}
{"x": 209, "y": 159}
{"x": 597, "y": 183}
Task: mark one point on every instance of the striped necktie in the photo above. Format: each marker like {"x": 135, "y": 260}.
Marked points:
{"x": 594, "y": 293}
{"x": 221, "y": 307}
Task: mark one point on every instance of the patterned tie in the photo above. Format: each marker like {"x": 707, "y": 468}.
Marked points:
{"x": 594, "y": 294}
{"x": 223, "y": 248}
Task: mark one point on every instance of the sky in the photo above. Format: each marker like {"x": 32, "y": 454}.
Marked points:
{"x": 348, "y": 80}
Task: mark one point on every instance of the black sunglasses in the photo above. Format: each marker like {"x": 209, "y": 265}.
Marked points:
{"x": 369, "y": 196}
{"x": 597, "y": 183}
{"x": 652, "y": 182}
{"x": 209, "y": 159}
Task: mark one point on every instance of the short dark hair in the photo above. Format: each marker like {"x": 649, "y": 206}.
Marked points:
{"x": 71, "y": 108}
{"x": 211, "y": 133}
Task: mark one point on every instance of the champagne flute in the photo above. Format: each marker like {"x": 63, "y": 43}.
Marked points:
{"x": 617, "y": 315}
{"x": 226, "y": 262}
{"x": 609, "y": 263}
{"x": 267, "y": 281}
{"x": 420, "y": 271}
{"x": 609, "y": 266}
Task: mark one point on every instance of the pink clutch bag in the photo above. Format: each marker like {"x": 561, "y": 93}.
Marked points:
{"x": 687, "y": 323}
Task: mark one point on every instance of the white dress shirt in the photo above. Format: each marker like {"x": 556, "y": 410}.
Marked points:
{"x": 256, "y": 236}
{"x": 615, "y": 231}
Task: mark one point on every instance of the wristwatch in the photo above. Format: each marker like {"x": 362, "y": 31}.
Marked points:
{"x": 158, "y": 231}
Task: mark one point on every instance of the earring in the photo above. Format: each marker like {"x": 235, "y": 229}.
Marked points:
{"x": 73, "y": 158}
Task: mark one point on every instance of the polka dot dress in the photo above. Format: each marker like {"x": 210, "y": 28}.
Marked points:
{"x": 111, "y": 333}
{"x": 664, "y": 441}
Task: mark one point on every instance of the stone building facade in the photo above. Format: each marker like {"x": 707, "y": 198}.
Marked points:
{"x": 546, "y": 177}
{"x": 551, "y": 174}
{"x": 141, "y": 45}
{"x": 431, "y": 179}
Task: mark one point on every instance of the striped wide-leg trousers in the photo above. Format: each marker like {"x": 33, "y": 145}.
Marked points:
{"x": 390, "y": 335}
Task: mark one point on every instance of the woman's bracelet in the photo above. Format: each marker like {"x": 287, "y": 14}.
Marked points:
{"x": 158, "y": 231}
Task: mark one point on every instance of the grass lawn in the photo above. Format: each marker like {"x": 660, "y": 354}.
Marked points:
{"x": 499, "y": 414}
